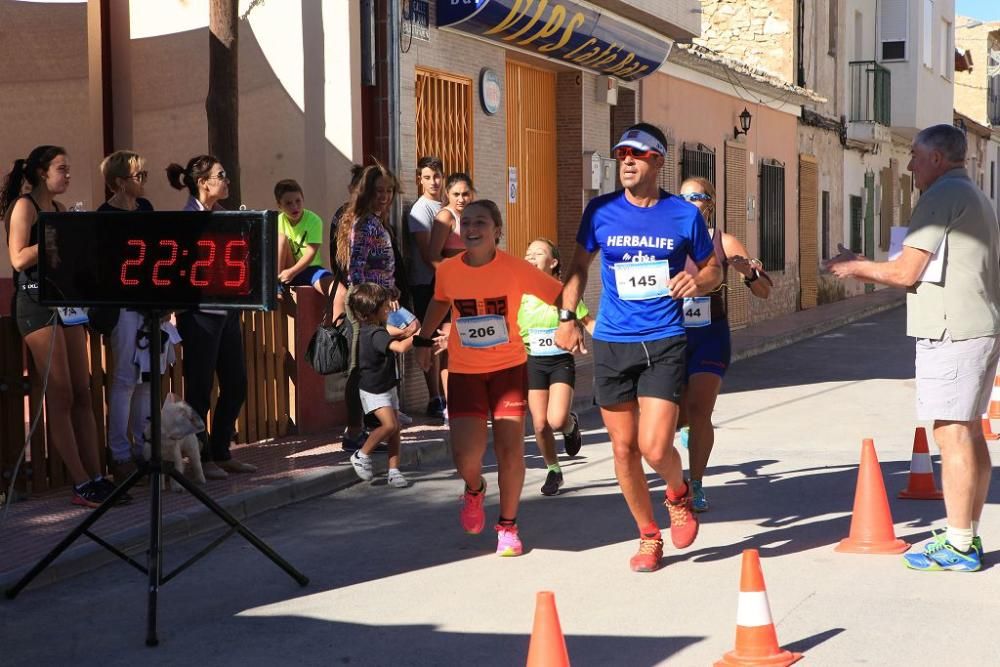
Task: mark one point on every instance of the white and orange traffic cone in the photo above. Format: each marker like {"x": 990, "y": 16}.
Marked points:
{"x": 756, "y": 639}
{"x": 547, "y": 647}
{"x": 988, "y": 428}
{"x": 994, "y": 409}
{"x": 921, "y": 485}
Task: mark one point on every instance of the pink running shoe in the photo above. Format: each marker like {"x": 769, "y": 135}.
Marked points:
{"x": 508, "y": 543}
{"x": 472, "y": 516}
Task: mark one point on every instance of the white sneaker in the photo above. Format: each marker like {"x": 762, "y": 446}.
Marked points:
{"x": 396, "y": 479}
{"x": 362, "y": 465}
{"x": 404, "y": 419}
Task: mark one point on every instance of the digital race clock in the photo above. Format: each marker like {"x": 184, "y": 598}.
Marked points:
{"x": 163, "y": 260}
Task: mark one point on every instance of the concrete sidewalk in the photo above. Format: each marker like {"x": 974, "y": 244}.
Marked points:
{"x": 296, "y": 468}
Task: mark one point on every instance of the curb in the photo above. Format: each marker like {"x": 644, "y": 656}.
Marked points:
{"x": 771, "y": 343}
{"x": 86, "y": 555}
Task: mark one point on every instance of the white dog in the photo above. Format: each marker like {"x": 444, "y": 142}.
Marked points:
{"x": 178, "y": 425}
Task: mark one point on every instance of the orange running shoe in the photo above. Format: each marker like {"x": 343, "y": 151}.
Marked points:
{"x": 647, "y": 559}
{"x": 683, "y": 522}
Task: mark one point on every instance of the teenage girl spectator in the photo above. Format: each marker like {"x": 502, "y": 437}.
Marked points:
{"x": 365, "y": 255}
{"x": 340, "y": 291}
{"x": 446, "y": 239}
{"x": 128, "y": 403}
{"x": 213, "y": 341}
{"x": 379, "y": 379}
{"x": 483, "y": 288}
{"x": 300, "y": 237}
{"x": 70, "y": 420}
{"x": 708, "y": 342}
{"x": 420, "y": 223}
{"x": 551, "y": 371}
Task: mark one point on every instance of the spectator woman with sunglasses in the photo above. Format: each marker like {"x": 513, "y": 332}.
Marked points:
{"x": 708, "y": 345}
{"x": 213, "y": 341}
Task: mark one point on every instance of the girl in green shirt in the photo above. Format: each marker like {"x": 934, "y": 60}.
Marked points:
{"x": 551, "y": 371}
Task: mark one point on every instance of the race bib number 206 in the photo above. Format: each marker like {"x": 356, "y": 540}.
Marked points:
{"x": 637, "y": 281}
{"x": 482, "y": 330}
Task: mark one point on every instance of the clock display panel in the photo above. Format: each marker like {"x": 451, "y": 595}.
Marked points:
{"x": 158, "y": 260}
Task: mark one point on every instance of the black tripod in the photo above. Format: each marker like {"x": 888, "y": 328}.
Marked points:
{"x": 155, "y": 468}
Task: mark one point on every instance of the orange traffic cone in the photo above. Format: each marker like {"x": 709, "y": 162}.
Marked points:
{"x": 548, "y": 646}
{"x": 921, "y": 485}
{"x": 988, "y": 428}
{"x": 756, "y": 639}
{"x": 994, "y": 411}
{"x": 871, "y": 523}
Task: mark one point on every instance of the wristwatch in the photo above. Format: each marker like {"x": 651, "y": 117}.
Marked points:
{"x": 420, "y": 341}
{"x": 754, "y": 275}
{"x": 567, "y": 315}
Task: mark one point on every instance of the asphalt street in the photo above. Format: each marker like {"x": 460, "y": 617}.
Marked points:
{"x": 395, "y": 581}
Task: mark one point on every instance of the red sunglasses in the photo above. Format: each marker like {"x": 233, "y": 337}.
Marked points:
{"x": 623, "y": 152}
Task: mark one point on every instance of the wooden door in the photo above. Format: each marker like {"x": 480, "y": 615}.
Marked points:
{"x": 531, "y": 156}
{"x": 738, "y": 298}
{"x": 808, "y": 223}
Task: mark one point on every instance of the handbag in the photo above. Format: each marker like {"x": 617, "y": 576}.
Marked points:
{"x": 329, "y": 349}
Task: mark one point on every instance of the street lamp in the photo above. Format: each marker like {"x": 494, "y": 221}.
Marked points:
{"x": 745, "y": 119}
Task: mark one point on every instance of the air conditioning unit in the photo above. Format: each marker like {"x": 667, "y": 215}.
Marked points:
{"x": 607, "y": 90}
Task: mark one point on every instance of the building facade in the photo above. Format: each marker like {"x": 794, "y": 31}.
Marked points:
{"x": 755, "y": 173}
{"x": 977, "y": 92}
{"x": 528, "y": 98}
{"x": 134, "y": 75}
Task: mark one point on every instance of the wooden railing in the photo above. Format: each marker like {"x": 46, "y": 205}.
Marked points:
{"x": 269, "y": 348}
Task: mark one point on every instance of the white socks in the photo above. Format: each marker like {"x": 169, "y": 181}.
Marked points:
{"x": 960, "y": 538}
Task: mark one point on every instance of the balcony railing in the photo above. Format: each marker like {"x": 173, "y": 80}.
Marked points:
{"x": 871, "y": 93}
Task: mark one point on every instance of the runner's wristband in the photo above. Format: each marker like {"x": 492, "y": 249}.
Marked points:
{"x": 420, "y": 341}
{"x": 566, "y": 315}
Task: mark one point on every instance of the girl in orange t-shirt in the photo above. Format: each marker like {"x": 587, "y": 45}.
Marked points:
{"x": 487, "y": 361}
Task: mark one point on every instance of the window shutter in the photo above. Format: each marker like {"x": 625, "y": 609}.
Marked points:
{"x": 893, "y": 29}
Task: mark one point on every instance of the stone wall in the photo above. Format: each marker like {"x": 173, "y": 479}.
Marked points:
{"x": 757, "y": 32}
{"x": 971, "y": 87}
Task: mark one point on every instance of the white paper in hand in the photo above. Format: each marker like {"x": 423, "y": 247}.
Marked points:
{"x": 934, "y": 271}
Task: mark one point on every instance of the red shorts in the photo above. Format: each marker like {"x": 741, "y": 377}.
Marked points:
{"x": 500, "y": 393}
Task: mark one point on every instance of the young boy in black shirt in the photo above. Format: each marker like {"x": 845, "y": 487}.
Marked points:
{"x": 378, "y": 378}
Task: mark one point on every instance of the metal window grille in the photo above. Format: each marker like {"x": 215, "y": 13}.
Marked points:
{"x": 698, "y": 160}
{"x": 772, "y": 216}
{"x": 856, "y": 206}
{"x": 444, "y": 119}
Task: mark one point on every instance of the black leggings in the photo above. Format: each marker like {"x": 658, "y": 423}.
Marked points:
{"x": 213, "y": 345}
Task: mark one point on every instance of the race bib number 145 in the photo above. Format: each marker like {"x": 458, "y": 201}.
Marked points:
{"x": 637, "y": 281}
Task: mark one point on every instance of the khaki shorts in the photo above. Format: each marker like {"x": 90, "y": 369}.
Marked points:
{"x": 955, "y": 377}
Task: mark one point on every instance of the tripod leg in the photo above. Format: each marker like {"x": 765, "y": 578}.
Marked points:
{"x": 154, "y": 562}
{"x": 220, "y": 512}
{"x": 91, "y": 519}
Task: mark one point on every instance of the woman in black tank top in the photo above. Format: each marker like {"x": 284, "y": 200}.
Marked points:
{"x": 708, "y": 346}
{"x": 69, "y": 417}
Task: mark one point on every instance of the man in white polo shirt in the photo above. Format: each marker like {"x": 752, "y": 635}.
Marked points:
{"x": 956, "y": 321}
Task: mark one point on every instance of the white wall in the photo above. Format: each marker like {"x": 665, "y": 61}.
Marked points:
{"x": 923, "y": 96}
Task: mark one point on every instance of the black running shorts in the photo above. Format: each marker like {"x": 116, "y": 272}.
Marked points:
{"x": 625, "y": 371}
{"x": 543, "y": 372}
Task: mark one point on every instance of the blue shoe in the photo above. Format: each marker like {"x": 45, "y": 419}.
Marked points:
{"x": 939, "y": 555}
{"x": 682, "y": 436}
{"x": 699, "y": 503}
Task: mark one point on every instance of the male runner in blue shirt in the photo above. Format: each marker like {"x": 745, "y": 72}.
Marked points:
{"x": 644, "y": 235}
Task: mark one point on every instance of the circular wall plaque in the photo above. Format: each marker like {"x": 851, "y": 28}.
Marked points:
{"x": 489, "y": 91}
